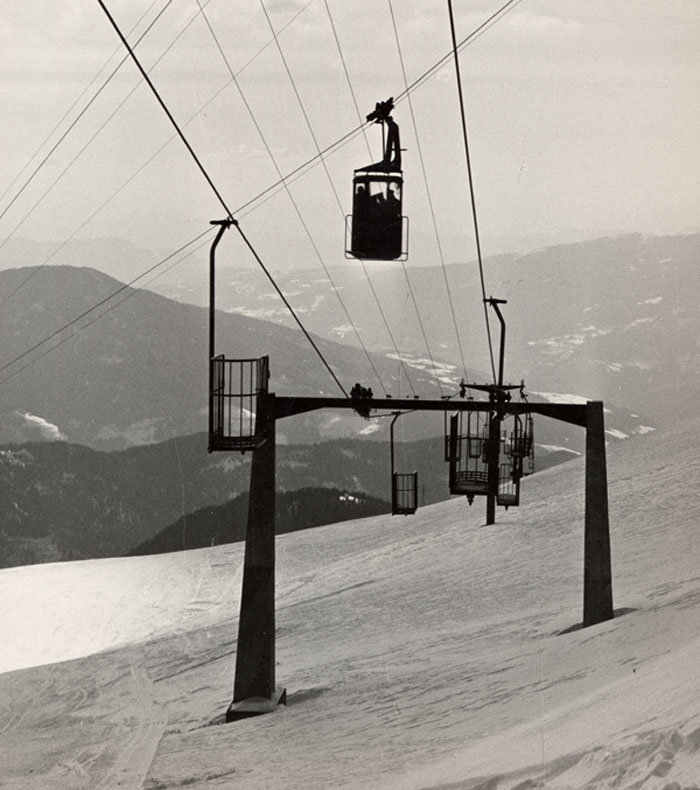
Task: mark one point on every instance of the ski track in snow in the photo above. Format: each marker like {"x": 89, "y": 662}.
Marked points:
{"x": 422, "y": 653}
{"x": 135, "y": 758}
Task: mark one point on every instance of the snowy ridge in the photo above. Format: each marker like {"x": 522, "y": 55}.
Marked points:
{"x": 423, "y": 652}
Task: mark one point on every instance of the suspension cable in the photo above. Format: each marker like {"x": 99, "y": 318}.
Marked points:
{"x": 79, "y": 116}
{"x": 106, "y": 299}
{"x": 165, "y": 109}
{"x": 70, "y": 110}
{"x": 322, "y": 159}
{"x": 429, "y": 196}
{"x": 299, "y": 170}
{"x": 289, "y": 192}
{"x": 478, "y": 31}
{"x": 471, "y": 185}
{"x": 388, "y": 328}
{"x": 145, "y": 164}
{"x": 369, "y": 152}
{"x": 347, "y": 79}
{"x": 216, "y": 192}
{"x": 303, "y": 109}
{"x": 126, "y": 296}
{"x": 495, "y": 17}
{"x": 70, "y": 164}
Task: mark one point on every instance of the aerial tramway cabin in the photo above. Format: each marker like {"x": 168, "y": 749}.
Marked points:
{"x": 377, "y": 230}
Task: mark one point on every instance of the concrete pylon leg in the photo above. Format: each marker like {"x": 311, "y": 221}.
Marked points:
{"x": 254, "y": 687}
{"x": 597, "y": 569}
{"x": 493, "y": 463}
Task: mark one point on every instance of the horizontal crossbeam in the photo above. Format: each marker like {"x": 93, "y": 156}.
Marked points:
{"x": 573, "y": 413}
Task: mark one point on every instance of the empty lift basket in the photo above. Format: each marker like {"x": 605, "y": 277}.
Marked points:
{"x": 509, "y": 484}
{"x": 233, "y": 402}
{"x": 404, "y": 493}
{"x": 467, "y": 442}
{"x": 521, "y": 444}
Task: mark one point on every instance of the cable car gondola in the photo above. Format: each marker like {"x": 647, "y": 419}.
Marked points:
{"x": 377, "y": 230}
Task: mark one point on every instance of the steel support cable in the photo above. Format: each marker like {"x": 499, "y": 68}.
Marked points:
{"x": 124, "y": 184}
{"x": 432, "y": 210}
{"x": 288, "y": 190}
{"x": 301, "y": 106}
{"x": 300, "y": 169}
{"x": 66, "y": 114}
{"x": 347, "y": 78}
{"x": 79, "y": 116}
{"x": 478, "y": 31}
{"x": 99, "y": 304}
{"x": 101, "y": 315}
{"x": 429, "y": 196}
{"x": 363, "y": 126}
{"x": 388, "y": 329}
{"x": 70, "y": 164}
{"x": 320, "y": 154}
{"x": 298, "y": 172}
{"x": 403, "y": 327}
{"x": 471, "y": 185}
{"x": 132, "y": 292}
{"x": 153, "y": 156}
{"x": 216, "y": 192}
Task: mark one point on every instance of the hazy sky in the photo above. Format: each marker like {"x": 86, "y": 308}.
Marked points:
{"x": 582, "y": 116}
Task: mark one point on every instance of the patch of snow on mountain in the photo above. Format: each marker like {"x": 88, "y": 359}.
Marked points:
{"x": 617, "y": 434}
{"x": 561, "y": 347}
{"x": 444, "y": 371}
{"x": 645, "y": 429}
{"x": 594, "y": 331}
{"x": 47, "y": 430}
{"x": 616, "y": 367}
{"x": 640, "y": 321}
{"x": 343, "y": 329}
{"x": 270, "y": 314}
{"x": 562, "y": 397}
{"x": 555, "y": 448}
{"x": 654, "y": 300}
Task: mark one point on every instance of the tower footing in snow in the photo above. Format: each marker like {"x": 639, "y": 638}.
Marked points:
{"x": 255, "y": 706}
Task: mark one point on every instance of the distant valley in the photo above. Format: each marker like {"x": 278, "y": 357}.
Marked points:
{"x": 60, "y": 501}
{"x": 101, "y": 425}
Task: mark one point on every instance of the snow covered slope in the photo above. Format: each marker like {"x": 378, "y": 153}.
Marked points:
{"x": 421, "y": 652}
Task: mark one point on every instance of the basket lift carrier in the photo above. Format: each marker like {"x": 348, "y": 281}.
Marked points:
{"x": 467, "y": 445}
{"x": 516, "y": 449}
{"x": 235, "y": 385}
{"x": 404, "y": 485}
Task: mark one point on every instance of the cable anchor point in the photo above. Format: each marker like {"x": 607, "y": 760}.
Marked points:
{"x": 225, "y": 223}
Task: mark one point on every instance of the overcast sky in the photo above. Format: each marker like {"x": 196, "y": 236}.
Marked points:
{"x": 582, "y": 118}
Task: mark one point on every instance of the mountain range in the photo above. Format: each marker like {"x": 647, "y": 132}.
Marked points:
{"x": 61, "y": 501}
{"x": 613, "y": 319}
{"x": 139, "y": 373}
{"x": 616, "y": 321}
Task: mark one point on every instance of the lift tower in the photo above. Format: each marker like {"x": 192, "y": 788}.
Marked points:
{"x": 243, "y": 416}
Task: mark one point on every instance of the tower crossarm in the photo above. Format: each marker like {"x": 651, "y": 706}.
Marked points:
{"x": 574, "y": 413}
